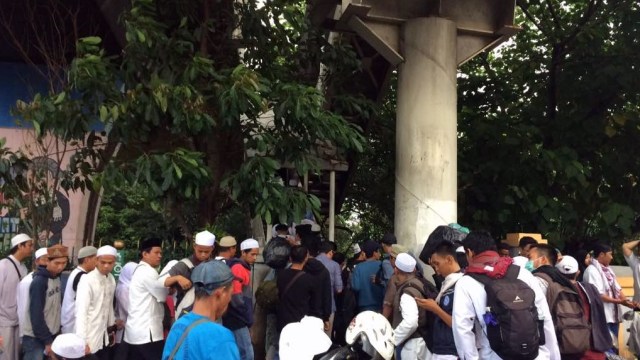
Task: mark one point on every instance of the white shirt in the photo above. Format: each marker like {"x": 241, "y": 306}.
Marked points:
{"x": 94, "y": 309}
{"x": 593, "y": 276}
{"x": 412, "y": 348}
{"x": 22, "y": 297}
{"x": 469, "y": 304}
{"x": 146, "y": 295}
{"x": 68, "y": 313}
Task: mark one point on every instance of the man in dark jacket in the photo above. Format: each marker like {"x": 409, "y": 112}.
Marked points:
{"x": 321, "y": 278}
{"x": 593, "y": 310}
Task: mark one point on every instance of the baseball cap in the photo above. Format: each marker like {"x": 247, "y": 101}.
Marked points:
{"x": 211, "y": 275}
{"x": 568, "y": 265}
{"x": 249, "y": 244}
{"x": 405, "y": 262}
{"x": 87, "y": 251}
{"x": 19, "y": 239}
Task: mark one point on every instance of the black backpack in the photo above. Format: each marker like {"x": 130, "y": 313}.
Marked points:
{"x": 276, "y": 253}
{"x": 513, "y": 328}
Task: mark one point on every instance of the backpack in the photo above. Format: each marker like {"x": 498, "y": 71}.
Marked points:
{"x": 425, "y": 318}
{"x": 267, "y": 296}
{"x": 276, "y": 253}
{"x": 572, "y": 329}
{"x": 513, "y": 328}
{"x": 186, "y": 303}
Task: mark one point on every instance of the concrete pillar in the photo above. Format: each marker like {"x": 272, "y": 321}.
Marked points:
{"x": 426, "y": 134}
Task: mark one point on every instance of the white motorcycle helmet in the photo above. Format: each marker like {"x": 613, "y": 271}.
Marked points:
{"x": 303, "y": 340}
{"x": 374, "y": 330}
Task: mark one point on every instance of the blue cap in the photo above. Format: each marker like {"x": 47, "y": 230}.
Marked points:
{"x": 211, "y": 275}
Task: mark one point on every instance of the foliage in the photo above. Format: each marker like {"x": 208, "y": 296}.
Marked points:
{"x": 180, "y": 109}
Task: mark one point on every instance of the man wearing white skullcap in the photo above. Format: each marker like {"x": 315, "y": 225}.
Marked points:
{"x": 41, "y": 260}
{"x": 11, "y": 272}
{"x": 69, "y": 346}
{"x": 203, "y": 245}
{"x": 95, "y": 318}
{"x": 239, "y": 316}
{"x": 405, "y": 309}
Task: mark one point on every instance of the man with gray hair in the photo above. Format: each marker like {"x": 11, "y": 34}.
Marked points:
{"x": 196, "y": 335}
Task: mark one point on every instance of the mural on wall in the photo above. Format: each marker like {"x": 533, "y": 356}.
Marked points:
{"x": 52, "y": 205}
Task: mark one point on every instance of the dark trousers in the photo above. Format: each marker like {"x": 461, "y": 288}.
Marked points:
{"x": 148, "y": 351}
{"x": 103, "y": 354}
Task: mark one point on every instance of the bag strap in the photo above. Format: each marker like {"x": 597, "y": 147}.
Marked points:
{"x": 15, "y": 267}
{"x": 292, "y": 281}
{"x": 76, "y": 280}
{"x": 184, "y": 336}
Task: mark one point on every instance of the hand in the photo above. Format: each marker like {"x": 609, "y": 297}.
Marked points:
{"x": 627, "y": 303}
{"x": 87, "y": 350}
{"x": 427, "y": 304}
{"x": 184, "y": 283}
{"x": 326, "y": 326}
{"x": 1, "y": 342}
{"x": 49, "y": 353}
{"x": 120, "y": 324}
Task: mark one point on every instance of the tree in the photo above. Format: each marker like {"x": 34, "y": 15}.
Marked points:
{"x": 180, "y": 107}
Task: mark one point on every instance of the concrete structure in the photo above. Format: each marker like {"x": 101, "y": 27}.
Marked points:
{"x": 427, "y": 40}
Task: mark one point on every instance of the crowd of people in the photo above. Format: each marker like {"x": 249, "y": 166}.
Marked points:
{"x": 486, "y": 300}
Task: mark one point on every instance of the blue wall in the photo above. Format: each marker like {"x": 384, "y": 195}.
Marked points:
{"x": 17, "y": 82}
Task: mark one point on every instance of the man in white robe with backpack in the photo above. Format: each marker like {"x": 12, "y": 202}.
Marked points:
{"x": 496, "y": 297}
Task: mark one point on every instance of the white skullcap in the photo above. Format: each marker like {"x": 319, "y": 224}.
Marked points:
{"x": 315, "y": 228}
{"x": 19, "y": 239}
{"x": 70, "y": 346}
{"x": 303, "y": 340}
{"x": 205, "y": 238}
{"x": 40, "y": 252}
{"x": 405, "y": 262}
{"x": 307, "y": 222}
{"x": 520, "y": 261}
{"x": 107, "y": 250}
{"x": 249, "y": 244}
{"x": 568, "y": 265}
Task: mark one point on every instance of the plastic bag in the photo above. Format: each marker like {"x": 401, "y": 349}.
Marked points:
{"x": 440, "y": 234}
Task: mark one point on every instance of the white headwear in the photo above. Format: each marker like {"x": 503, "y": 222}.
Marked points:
{"x": 356, "y": 249}
{"x": 303, "y": 340}
{"x": 69, "y": 346}
{"x": 405, "y": 262}
{"x": 568, "y": 265}
{"x": 41, "y": 252}
{"x": 520, "y": 261}
{"x": 19, "y": 239}
{"x": 205, "y": 238}
{"x": 127, "y": 272}
{"x": 107, "y": 250}
{"x": 307, "y": 222}
{"x": 249, "y": 244}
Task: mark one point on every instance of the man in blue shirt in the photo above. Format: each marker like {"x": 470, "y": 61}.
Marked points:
{"x": 363, "y": 279}
{"x": 327, "y": 249}
{"x": 195, "y": 335}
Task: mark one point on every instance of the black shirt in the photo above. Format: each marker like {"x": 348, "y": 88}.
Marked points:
{"x": 302, "y": 298}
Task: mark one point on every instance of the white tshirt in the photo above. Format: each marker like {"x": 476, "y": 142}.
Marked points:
{"x": 146, "y": 295}
{"x": 22, "y": 296}
{"x": 68, "y": 315}
{"x": 94, "y": 309}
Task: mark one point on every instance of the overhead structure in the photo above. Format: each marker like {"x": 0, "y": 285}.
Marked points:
{"x": 426, "y": 41}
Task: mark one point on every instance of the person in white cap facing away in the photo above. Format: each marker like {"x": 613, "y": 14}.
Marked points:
{"x": 196, "y": 335}
{"x": 42, "y": 318}
{"x": 593, "y": 312}
{"x": 226, "y": 248}
{"x": 70, "y": 347}
{"x": 86, "y": 263}
{"x": 239, "y": 317}
{"x": 95, "y": 318}
{"x": 406, "y": 317}
{"x": 11, "y": 272}
{"x": 203, "y": 245}
{"x": 41, "y": 260}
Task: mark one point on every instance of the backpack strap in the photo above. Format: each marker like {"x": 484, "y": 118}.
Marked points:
{"x": 511, "y": 274}
{"x": 291, "y": 282}
{"x": 15, "y": 267}
{"x": 76, "y": 280}
{"x": 184, "y": 336}
{"x": 188, "y": 262}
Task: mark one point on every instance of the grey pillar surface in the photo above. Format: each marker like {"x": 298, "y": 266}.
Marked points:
{"x": 426, "y": 130}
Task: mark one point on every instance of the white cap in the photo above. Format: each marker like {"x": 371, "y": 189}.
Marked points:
{"x": 70, "y": 346}
{"x": 520, "y": 261}
{"x": 40, "y": 252}
{"x": 249, "y": 244}
{"x": 315, "y": 228}
{"x": 405, "y": 262}
{"x": 307, "y": 222}
{"x": 568, "y": 265}
{"x": 303, "y": 340}
{"x": 107, "y": 250}
{"x": 19, "y": 239}
{"x": 205, "y": 238}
